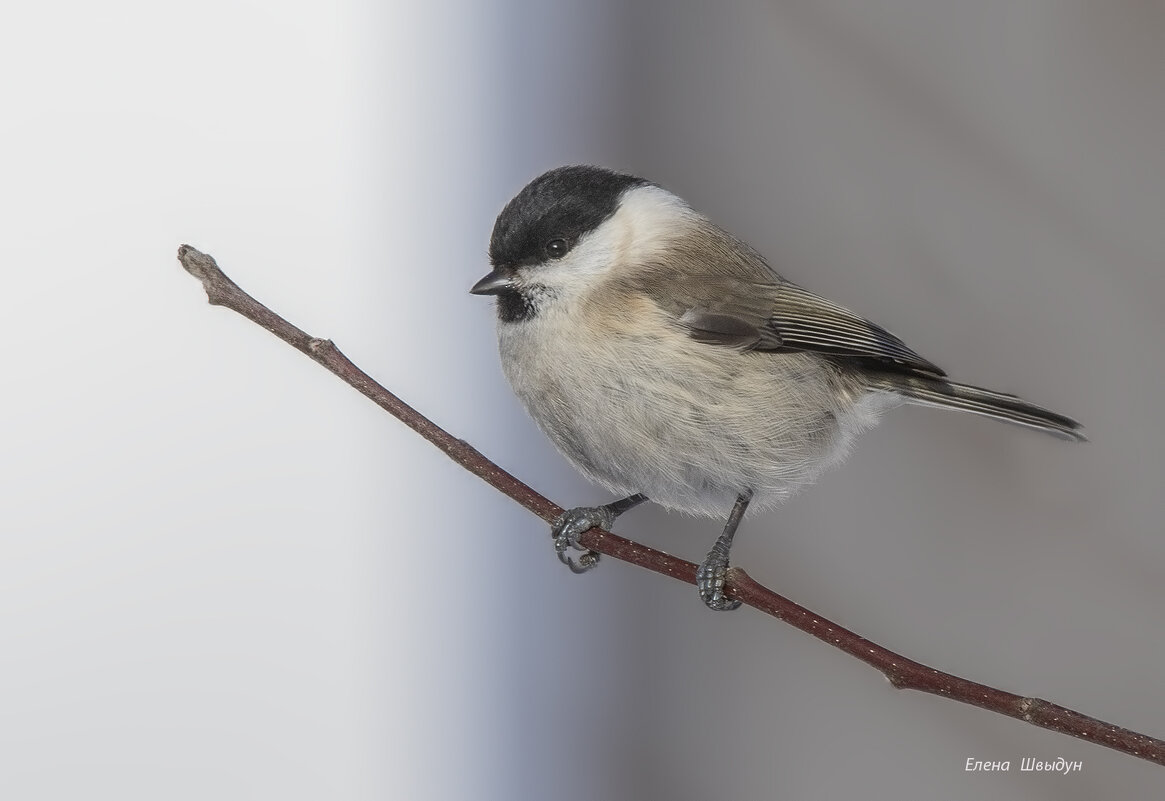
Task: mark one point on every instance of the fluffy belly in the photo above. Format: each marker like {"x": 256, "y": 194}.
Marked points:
{"x": 691, "y": 439}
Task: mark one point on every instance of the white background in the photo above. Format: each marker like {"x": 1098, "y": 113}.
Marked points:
{"x": 223, "y": 573}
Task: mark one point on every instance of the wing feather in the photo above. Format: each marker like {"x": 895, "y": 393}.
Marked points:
{"x": 725, "y": 294}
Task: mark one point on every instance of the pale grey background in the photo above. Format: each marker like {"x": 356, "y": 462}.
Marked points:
{"x": 222, "y": 573}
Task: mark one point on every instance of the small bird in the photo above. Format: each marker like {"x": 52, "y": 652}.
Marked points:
{"x": 668, "y": 361}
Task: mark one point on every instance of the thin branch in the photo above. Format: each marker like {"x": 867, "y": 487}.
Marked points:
{"x": 903, "y": 673}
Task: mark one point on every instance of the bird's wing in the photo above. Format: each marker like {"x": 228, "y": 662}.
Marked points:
{"x": 728, "y": 296}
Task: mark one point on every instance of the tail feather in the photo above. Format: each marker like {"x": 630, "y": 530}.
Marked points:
{"x": 928, "y": 391}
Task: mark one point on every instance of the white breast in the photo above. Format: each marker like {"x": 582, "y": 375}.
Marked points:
{"x": 692, "y": 438}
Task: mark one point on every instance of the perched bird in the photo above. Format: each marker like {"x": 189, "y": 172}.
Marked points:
{"x": 668, "y": 361}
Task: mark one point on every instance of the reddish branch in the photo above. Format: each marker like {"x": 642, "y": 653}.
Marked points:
{"x": 903, "y": 673}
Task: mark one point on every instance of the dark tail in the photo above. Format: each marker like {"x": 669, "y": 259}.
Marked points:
{"x": 927, "y": 391}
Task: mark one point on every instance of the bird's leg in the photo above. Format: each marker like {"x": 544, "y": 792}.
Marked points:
{"x": 714, "y": 569}
{"x": 571, "y": 524}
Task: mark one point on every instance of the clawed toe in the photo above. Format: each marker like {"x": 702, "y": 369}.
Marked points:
{"x": 710, "y": 578}
{"x": 571, "y": 525}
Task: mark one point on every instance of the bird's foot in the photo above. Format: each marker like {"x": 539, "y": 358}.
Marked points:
{"x": 570, "y": 525}
{"x": 710, "y": 577}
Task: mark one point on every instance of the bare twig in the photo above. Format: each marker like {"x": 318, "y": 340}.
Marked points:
{"x": 902, "y": 672}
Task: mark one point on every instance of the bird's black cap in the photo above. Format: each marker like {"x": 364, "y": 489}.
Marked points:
{"x": 564, "y": 203}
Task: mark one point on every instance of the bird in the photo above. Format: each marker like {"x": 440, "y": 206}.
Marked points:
{"x": 668, "y": 361}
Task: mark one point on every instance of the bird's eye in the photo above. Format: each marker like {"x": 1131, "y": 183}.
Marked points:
{"x": 557, "y": 248}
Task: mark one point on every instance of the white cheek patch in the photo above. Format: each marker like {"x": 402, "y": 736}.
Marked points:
{"x": 594, "y": 255}
{"x": 647, "y": 219}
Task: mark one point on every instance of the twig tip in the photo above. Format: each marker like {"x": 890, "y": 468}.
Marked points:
{"x": 203, "y": 267}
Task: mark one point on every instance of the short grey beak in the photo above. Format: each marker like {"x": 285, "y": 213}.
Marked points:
{"x": 501, "y": 279}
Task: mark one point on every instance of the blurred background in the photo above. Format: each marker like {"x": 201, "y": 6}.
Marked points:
{"x": 223, "y": 573}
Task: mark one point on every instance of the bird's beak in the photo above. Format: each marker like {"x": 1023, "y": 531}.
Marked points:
{"x": 501, "y": 279}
